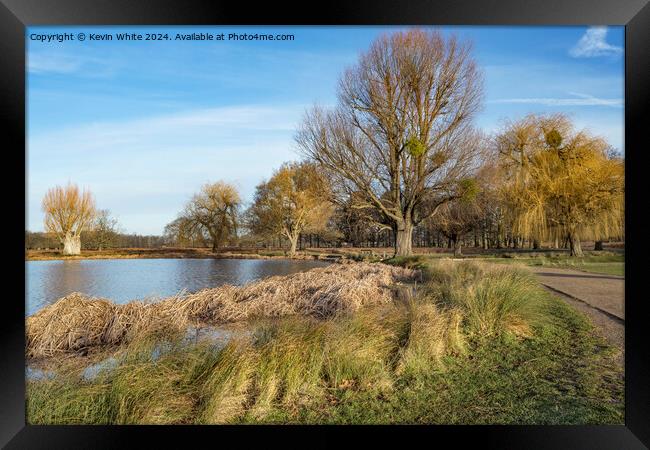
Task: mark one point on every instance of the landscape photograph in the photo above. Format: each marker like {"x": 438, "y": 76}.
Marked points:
{"x": 325, "y": 225}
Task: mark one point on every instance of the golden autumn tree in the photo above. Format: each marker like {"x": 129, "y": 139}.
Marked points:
{"x": 401, "y": 133}
{"x": 294, "y": 200}
{"x": 68, "y": 212}
{"x": 563, "y": 183}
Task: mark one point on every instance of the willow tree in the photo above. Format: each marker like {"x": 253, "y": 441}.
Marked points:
{"x": 68, "y": 212}
{"x": 294, "y": 200}
{"x": 401, "y": 133}
{"x": 563, "y": 182}
{"x": 213, "y": 211}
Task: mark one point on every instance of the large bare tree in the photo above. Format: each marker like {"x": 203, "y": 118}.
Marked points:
{"x": 401, "y": 134}
{"x": 68, "y": 212}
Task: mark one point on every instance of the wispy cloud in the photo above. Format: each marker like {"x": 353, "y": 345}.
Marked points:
{"x": 41, "y": 62}
{"x": 577, "y": 100}
{"x": 593, "y": 43}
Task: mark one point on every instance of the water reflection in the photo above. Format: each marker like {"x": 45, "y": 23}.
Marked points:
{"x": 122, "y": 280}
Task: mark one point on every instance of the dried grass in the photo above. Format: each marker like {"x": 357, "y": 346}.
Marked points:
{"x": 77, "y": 322}
{"x": 434, "y": 333}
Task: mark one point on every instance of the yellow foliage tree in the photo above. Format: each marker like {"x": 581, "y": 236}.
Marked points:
{"x": 294, "y": 200}
{"x": 562, "y": 183}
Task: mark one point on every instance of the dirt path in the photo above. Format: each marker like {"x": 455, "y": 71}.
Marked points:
{"x": 599, "y": 296}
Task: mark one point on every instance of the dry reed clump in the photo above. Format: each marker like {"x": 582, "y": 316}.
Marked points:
{"x": 320, "y": 293}
{"x": 73, "y": 323}
{"x": 76, "y": 322}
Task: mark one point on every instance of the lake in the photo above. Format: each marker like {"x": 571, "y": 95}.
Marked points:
{"x": 123, "y": 280}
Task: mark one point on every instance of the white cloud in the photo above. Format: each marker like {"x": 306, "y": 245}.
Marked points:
{"x": 593, "y": 43}
{"x": 577, "y": 100}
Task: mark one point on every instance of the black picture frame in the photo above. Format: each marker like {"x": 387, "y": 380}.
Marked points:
{"x": 15, "y": 15}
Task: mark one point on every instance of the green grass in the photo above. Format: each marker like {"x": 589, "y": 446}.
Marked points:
{"x": 477, "y": 344}
{"x": 561, "y": 376}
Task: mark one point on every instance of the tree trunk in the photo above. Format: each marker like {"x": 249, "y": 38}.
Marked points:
{"x": 598, "y": 245}
{"x": 574, "y": 245}
{"x": 457, "y": 246}
{"x": 294, "y": 243}
{"x": 535, "y": 244}
{"x": 71, "y": 245}
{"x": 403, "y": 246}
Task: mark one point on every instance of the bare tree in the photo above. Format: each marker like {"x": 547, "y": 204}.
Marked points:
{"x": 461, "y": 215}
{"x": 182, "y": 232}
{"x": 212, "y": 211}
{"x": 104, "y": 230}
{"x": 401, "y": 134}
{"x": 293, "y": 201}
{"x": 68, "y": 212}
{"x": 358, "y": 224}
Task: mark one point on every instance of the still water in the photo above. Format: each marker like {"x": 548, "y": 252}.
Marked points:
{"x": 122, "y": 280}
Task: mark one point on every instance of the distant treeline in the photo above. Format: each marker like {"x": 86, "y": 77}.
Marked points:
{"x": 90, "y": 241}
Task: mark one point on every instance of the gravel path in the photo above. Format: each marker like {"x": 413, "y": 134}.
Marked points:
{"x": 603, "y": 292}
{"x": 599, "y": 296}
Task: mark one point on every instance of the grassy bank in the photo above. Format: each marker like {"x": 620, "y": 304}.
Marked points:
{"x": 595, "y": 262}
{"x": 473, "y": 343}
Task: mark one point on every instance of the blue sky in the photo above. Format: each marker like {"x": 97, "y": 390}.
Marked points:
{"x": 144, "y": 124}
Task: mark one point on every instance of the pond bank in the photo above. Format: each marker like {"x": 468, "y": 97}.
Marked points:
{"x": 176, "y": 253}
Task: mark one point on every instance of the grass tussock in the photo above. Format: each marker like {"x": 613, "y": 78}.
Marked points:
{"x": 493, "y": 299}
{"x": 77, "y": 322}
{"x": 433, "y": 334}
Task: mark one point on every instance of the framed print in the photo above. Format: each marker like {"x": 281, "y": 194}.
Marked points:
{"x": 403, "y": 221}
